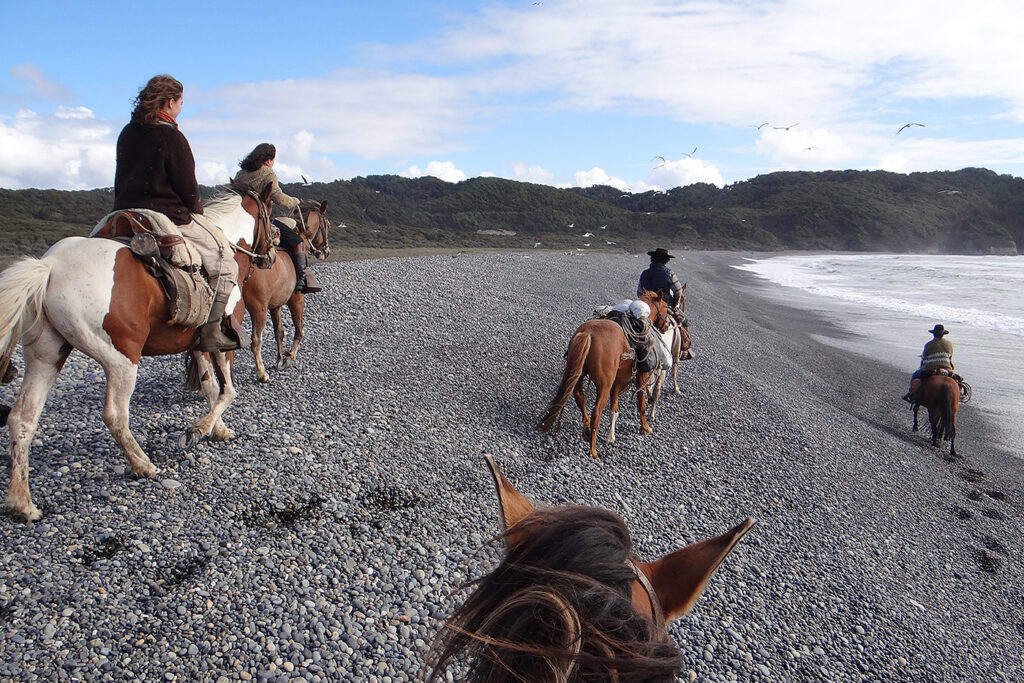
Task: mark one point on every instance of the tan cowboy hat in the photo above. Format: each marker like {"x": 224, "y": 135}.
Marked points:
{"x": 939, "y": 330}
{"x": 659, "y": 252}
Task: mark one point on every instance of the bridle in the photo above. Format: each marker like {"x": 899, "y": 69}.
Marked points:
{"x": 265, "y": 235}
{"x": 657, "y": 612}
{"x": 322, "y": 230}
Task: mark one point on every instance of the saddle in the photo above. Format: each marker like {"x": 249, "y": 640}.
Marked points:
{"x": 639, "y": 336}
{"x": 189, "y": 296}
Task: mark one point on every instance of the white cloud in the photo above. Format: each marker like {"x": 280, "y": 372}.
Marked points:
{"x": 46, "y": 151}
{"x": 41, "y": 85}
{"x": 598, "y": 176}
{"x": 532, "y": 174}
{"x": 686, "y": 171}
{"x": 444, "y": 170}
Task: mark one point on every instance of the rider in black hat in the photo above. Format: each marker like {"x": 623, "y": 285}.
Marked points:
{"x": 937, "y": 355}
{"x": 659, "y": 276}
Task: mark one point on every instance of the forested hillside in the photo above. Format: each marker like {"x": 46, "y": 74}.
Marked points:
{"x": 972, "y": 211}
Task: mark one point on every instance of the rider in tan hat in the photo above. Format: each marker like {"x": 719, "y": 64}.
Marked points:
{"x": 937, "y": 355}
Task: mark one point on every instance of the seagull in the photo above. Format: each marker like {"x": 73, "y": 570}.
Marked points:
{"x": 607, "y": 242}
{"x": 605, "y": 226}
{"x": 808, "y": 149}
{"x": 908, "y": 125}
{"x": 586, "y": 244}
{"x": 572, "y": 225}
{"x": 587, "y": 234}
{"x": 692, "y": 153}
{"x": 663, "y": 160}
{"x": 786, "y": 127}
{"x": 949, "y": 192}
{"x": 304, "y": 181}
{"x": 759, "y": 127}
{"x": 536, "y": 244}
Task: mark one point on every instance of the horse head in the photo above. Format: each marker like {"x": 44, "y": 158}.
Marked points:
{"x": 314, "y": 227}
{"x": 570, "y": 598}
{"x": 659, "y": 308}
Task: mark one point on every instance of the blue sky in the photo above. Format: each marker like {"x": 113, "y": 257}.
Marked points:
{"x": 567, "y": 93}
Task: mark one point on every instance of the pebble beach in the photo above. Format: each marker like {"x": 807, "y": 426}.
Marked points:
{"x": 329, "y": 540}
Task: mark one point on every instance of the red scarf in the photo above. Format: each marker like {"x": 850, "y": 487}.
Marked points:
{"x": 164, "y": 116}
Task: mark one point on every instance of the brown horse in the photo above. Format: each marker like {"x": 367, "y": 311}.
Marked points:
{"x": 941, "y": 396}
{"x": 569, "y": 601}
{"x": 93, "y": 295}
{"x": 599, "y": 350}
{"x": 271, "y": 289}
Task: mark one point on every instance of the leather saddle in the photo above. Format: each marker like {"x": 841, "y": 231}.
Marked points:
{"x": 189, "y": 296}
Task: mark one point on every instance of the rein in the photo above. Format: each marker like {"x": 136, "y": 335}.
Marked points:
{"x": 322, "y": 229}
{"x": 657, "y": 612}
{"x": 263, "y": 236}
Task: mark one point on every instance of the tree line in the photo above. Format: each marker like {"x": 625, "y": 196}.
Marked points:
{"x": 971, "y": 211}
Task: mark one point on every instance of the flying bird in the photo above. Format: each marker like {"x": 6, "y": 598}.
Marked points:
{"x": 536, "y": 244}
{"x": 607, "y": 242}
{"x": 587, "y": 234}
{"x": 808, "y": 149}
{"x": 949, "y": 192}
{"x": 304, "y": 181}
{"x": 759, "y": 127}
{"x": 572, "y": 225}
{"x": 605, "y": 226}
{"x": 908, "y": 125}
{"x": 692, "y": 153}
{"x": 786, "y": 127}
{"x": 663, "y": 160}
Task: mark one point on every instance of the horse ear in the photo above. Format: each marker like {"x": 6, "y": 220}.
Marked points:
{"x": 514, "y": 505}
{"x": 684, "y": 288}
{"x": 680, "y": 577}
{"x": 265, "y": 194}
{"x": 323, "y": 206}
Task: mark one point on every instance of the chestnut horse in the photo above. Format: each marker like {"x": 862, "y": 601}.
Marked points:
{"x": 93, "y": 295}
{"x": 271, "y": 289}
{"x": 569, "y": 601}
{"x": 599, "y": 350}
{"x": 941, "y": 396}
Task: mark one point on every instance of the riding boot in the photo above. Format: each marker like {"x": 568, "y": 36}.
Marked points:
{"x": 299, "y": 261}
{"x": 221, "y": 332}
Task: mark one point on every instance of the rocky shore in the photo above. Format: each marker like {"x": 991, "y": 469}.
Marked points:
{"x": 328, "y": 540}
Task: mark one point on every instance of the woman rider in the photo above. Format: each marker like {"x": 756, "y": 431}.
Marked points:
{"x": 156, "y": 171}
{"x": 258, "y": 172}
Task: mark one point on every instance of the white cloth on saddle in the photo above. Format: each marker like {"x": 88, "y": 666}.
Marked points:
{"x": 162, "y": 225}
{"x": 635, "y": 307}
{"x": 664, "y": 347}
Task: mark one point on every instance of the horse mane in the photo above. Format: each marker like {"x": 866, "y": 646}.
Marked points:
{"x": 225, "y": 201}
{"x": 558, "y": 608}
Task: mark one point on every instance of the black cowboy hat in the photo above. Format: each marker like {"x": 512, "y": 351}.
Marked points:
{"x": 939, "y": 330}
{"x": 659, "y": 252}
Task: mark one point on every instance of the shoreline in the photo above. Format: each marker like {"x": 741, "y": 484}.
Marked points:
{"x": 328, "y": 539}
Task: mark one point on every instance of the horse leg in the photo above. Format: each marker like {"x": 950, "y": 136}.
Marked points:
{"x": 220, "y": 392}
{"x": 278, "y": 323}
{"x": 615, "y": 414}
{"x": 297, "y": 306}
{"x": 916, "y": 407}
{"x": 44, "y": 358}
{"x": 677, "y": 351}
{"x": 603, "y": 392}
{"x": 121, "y": 376}
{"x": 641, "y": 404}
{"x": 581, "y": 401}
{"x": 258, "y": 315}
{"x": 656, "y": 392}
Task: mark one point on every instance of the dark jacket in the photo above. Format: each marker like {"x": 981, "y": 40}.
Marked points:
{"x": 659, "y": 276}
{"x": 156, "y": 170}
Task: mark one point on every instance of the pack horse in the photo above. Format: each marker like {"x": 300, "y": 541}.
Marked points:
{"x": 94, "y": 295}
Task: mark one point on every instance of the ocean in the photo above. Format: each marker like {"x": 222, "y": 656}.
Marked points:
{"x": 889, "y": 302}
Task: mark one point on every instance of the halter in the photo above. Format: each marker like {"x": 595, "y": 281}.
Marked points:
{"x": 657, "y": 613}
{"x": 322, "y": 229}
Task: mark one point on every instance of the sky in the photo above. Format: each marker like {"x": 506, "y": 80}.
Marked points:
{"x": 638, "y": 94}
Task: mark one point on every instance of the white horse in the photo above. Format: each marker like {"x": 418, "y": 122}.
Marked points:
{"x": 93, "y": 295}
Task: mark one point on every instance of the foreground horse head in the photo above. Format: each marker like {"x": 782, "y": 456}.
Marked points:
{"x": 599, "y": 350}
{"x": 93, "y": 295}
{"x": 941, "y": 396}
{"x": 570, "y": 602}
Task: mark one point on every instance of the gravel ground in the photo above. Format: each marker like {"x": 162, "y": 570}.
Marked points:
{"x": 329, "y": 538}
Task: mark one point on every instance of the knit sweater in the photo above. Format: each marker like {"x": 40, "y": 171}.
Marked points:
{"x": 938, "y": 353}
{"x": 156, "y": 170}
{"x": 258, "y": 180}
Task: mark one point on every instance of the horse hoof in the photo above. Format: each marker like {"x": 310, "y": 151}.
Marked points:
{"x": 145, "y": 472}
{"x": 29, "y": 513}
{"x": 264, "y": 379}
{"x": 189, "y": 439}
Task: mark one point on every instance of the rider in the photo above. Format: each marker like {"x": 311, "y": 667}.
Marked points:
{"x": 659, "y": 276}
{"x": 156, "y": 171}
{"x": 937, "y": 355}
{"x": 258, "y": 172}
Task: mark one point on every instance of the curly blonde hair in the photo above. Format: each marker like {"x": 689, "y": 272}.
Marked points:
{"x": 154, "y": 96}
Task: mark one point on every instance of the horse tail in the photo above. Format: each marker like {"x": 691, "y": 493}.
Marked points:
{"x": 579, "y": 347}
{"x": 945, "y": 427}
{"x": 22, "y": 290}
